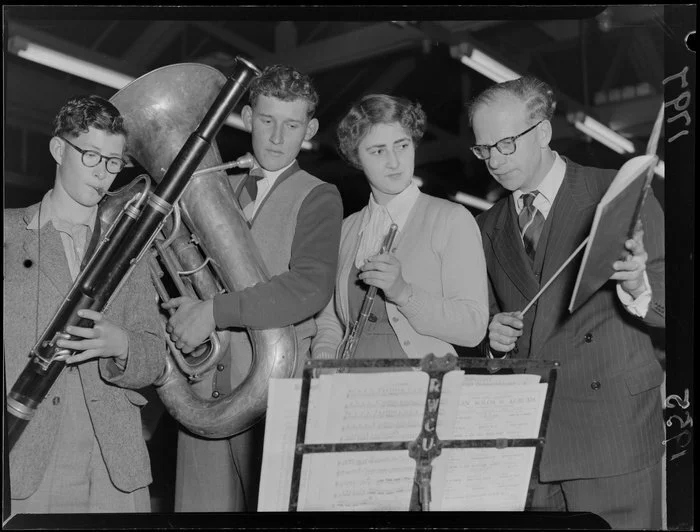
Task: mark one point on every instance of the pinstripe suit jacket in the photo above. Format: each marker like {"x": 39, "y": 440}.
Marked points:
{"x": 114, "y": 410}
{"x": 606, "y": 416}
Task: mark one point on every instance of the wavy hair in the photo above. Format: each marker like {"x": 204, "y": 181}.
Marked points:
{"x": 83, "y": 112}
{"x": 537, "y": 95}
{"x": 376, "y": 109}
{"x": 286, "y": 84}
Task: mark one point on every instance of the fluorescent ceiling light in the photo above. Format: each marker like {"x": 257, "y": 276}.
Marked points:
{"x": 66, "y": 63}
{"x": 604, "y": 135}
{"x": 90, "y": 71}
{"x": 482, "y": 63}
{"x": 471, "y": 201}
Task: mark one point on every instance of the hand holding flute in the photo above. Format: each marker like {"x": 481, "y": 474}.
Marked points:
{"x": 377, "y": 272}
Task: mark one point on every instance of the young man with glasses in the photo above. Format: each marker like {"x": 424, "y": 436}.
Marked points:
{"x": 83, "y": 451}
{"x": 604, "y": 440}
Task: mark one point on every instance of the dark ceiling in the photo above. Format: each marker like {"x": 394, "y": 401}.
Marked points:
{"x": 606, "y": 61}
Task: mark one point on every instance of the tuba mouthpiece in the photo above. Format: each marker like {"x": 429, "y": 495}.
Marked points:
{"x": 245, "y": 161}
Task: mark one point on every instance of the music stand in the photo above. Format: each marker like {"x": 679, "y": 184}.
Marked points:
{"x": 436, "y": 368}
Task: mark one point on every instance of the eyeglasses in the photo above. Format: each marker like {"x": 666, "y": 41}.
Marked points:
{"x": 92, "y": 158}
{"x": 506, "y": 146}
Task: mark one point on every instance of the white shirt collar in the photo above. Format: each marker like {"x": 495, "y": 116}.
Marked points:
{"x": 548, "y": 188}
{"x": 398, "y": 207}
{"x": 271, "y": 177}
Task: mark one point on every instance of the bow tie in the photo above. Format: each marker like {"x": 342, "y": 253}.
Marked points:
{"x": 251, "y": 183}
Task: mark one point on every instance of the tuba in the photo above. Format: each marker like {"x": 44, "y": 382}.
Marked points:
{"x": 160, "y": 110}
{"x": 172, "y": 115}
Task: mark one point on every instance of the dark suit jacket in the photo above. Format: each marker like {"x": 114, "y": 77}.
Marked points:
{"x": 606, "y": 416}
{"x": 114, "y": 410}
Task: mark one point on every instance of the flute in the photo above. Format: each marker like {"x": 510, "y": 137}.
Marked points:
{"x": 357, "y": 328}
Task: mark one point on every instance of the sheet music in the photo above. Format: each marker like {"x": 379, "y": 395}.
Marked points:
{"x": 384, "y": 407}
{"x": 482, "y": 479}
{"x": 280, "y": 437}
{"x": 488, "y": 479}
{"x": 499, "y": 411}
{"x": 374, "y": 407}
{"x": 358, "y": 481}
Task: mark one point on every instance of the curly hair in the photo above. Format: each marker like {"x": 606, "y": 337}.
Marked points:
{"x": 376, "y": 109}
{"x": 537, "y": 95}
{"x": 286, "y": 84}
{"x": 83, "y": 112}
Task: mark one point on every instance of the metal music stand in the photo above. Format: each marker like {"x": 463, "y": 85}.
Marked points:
{"x": 427, "y": 446}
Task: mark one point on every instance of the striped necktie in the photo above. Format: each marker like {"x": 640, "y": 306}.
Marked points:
{"x": 531, "y": 222}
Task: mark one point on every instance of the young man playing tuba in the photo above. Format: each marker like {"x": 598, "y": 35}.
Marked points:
{"x": 295, "y": 221}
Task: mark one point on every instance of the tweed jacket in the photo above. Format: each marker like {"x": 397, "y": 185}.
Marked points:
{"x": 112, "y": 401}
{"x": 440, "y": 253}
{"x": 606, "y": 416}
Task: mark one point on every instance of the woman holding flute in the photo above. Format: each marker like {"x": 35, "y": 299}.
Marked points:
{"x": 430, "y": 284}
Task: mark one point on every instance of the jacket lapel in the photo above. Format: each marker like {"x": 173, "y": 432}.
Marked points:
{"x": 510, "y": 253}
{"x": 52, "y": 263}
{"x": 572, "y": 216}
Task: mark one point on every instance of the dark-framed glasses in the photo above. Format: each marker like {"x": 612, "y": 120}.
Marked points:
{"x": 92, "y": 158}
{"x": 505, "y": 146}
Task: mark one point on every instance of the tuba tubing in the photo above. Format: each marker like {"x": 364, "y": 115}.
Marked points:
{"x": 156, "y": 115}
{"x": 131, "y": 237}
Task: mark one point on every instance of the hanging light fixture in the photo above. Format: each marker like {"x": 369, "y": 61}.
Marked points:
{"x": 482, "y": 63}
{"x": 51, "y": 58}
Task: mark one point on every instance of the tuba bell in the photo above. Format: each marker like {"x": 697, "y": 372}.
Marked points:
{"x": 160, "y": 111}
{"x": 154, "y": 100}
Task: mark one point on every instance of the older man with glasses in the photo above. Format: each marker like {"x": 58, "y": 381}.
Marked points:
{"x": 605, "y": 435}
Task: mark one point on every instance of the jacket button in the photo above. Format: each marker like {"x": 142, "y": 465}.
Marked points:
{"x": 372, "y": 318}
{"x": 220, "y": 367}
{"x": 395, "y": 319}
{"x": 215, "y": 394}
{"x": 56, "y": 400}
{"x": 588, "y": 338}
{"x": 407, "y": 342}
{"x": 28, "y": 263}
{"x": 595, "y": 385}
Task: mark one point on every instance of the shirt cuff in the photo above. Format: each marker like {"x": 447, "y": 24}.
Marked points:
{"x": 640, "y": 306}
{"x": 324, "y": 355}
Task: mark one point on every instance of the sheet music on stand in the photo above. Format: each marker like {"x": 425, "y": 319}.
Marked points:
{"x": 369, "y": 441}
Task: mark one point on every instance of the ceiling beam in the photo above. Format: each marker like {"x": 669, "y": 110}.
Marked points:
{"x": 152, "y": 42}
{"x": 629, "y": 115}
{"x": 621, "y": 52}
{"x": 445, "y": 146}
{"x": 228, "y": 37}
{"x": 391, "y": 77}
{"x": 359, "y": 45}
{"x": 647, "y": 60}
{"x": 286, "y": 37}
{"x": 560, "y": 30}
